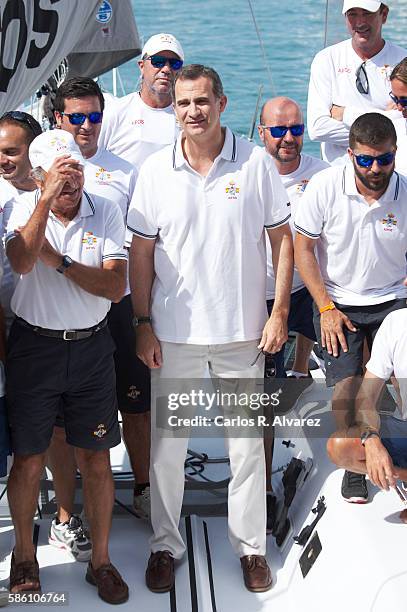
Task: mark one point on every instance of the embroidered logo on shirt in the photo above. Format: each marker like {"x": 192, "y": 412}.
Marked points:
{"x": 137, "y": 122}
{"x": 103, "y": 176}
{"x": 386, "y": 71}
{"x": 89, "y": 240}
{"x": 301, "y": 186}
{"x": 232, "y": 190}
{"x": 346, "y": 69}
{"x": 389, "y": 222}
{"x": 100, "y": 431}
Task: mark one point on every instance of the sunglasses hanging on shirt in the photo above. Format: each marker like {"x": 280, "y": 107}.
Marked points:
{"x": 362, "y": 82}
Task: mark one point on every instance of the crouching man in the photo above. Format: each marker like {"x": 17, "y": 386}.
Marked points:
{"x": 377, "y": 444}
{"x": 67, "y": 248}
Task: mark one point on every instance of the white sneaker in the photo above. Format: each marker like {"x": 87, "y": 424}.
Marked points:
{"x": 70, "y": 536}
{"x": 142, "y": 504}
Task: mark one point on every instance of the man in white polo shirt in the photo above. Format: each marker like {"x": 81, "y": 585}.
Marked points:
{"x": 355, "y": 216}
{"x": 377, "y": 444}
{"x": 68, "y": 249}
{"x": 281, "y": 130}
{"x": 351, "y": 78}
{"x": 198, "y": 272}
{"x": 78, "y": 109}
{"x": 143, "y": 122}
{"x": 398, "y": 94}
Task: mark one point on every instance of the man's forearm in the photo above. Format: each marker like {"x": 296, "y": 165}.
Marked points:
{"x": 283, "y": 264}
{"x": 307, "y": 266}
{"x": 366, "y": 403}
{"x": 103, "y": 282}
{"x": 24, "y": 249}
{"x": 141, "y": 273}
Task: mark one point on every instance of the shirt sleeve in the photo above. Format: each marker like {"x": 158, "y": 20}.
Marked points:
{"x": 16, "y": 214}
{"x": 309, "y": 217}
{"x": 276, "y": 202}
{"x": 321, "y": 126}
{"x": 114, "y": 235}
{"x": 381, "y": 362}
{"x": 108, "y": 129}
{"x": 141, "y": 219}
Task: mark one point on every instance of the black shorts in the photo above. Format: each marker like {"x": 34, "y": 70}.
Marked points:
{"x": 299, "y": 320}
{"x": 132, "y": 375}
{"x": 45, "y": 375}
{"x": 367, "y": 320}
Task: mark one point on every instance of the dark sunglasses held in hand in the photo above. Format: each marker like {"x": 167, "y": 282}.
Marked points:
{"x": 80, "y": 118}
{"x": 362, "y": 82}
{"x": 159, "y": 61}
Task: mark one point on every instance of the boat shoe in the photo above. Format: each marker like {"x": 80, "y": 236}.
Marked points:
{"x": 111, "y": 586}
{"x": 256, "y": 573}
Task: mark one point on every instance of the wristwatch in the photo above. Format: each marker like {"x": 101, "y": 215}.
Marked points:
{"x": 140, "y": 320}
{"x": 66, "y": 263}
{"x": 368, "y": 434}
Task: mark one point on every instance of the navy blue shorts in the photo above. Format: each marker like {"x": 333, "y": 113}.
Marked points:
{"x": 367, "y": 320}
{"x": 46, "y": 375}
{"x": 393, "y": 433}
{"x": 132, "y": 375}
{"x": 299, "y": 320}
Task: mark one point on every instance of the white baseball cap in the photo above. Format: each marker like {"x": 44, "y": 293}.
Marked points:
{"x": 162, "y": 42}
{"x": 46, "y": 147}
{"x": 369, "y": 5}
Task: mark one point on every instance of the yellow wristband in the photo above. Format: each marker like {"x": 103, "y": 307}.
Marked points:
{"x": 330, "y": 306}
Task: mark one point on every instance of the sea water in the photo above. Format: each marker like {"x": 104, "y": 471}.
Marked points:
{"x": 222, "y": 34}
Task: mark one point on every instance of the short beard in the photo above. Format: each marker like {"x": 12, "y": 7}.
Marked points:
{"x": 382, "y": 186}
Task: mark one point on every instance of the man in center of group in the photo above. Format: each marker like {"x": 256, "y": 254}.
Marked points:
{"x": 197, "y": 273}
{"x": 281, "y": 130}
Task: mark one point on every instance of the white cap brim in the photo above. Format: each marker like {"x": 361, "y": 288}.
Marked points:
{"x": 50, "y": 145}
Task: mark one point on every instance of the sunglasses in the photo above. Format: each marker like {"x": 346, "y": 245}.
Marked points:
{"x": 24, "y": 118}
{"x": 278, "y": 131}
{"x": 159, "y": 61}
{"x": 362, "y": 82}
{"x": 80, "y": 118}
{"x": 366, "y": 161}
{"x": 402, "y": 101}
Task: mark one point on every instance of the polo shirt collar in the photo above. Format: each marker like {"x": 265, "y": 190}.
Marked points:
{"x": 228, "y": 152}
{"x": 349, "y": 185}
{"x": 86, "y": 208}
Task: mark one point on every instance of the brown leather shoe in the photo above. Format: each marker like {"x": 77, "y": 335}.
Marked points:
{"x": 24, "y": 576}
{"x": 111, "y": 586}
{"x": 256, "y": 573}
{"x": 160, "y": 576}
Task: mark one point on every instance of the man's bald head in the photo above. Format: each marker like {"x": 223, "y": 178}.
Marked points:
{"x": 286, "y": 149}
{"x": 280, "y": 107}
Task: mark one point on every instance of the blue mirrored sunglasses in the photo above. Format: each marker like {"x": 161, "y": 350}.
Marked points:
{"x": 278, "y": 131}
{"x": 402, "y": 101}
{"x": 159, "y": 61}
{"x": 366, "y": 161}
{"x": 80, "y": 118}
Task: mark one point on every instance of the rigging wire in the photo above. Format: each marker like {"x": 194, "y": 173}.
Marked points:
{"x": 326, "y": 23}
{"x": 263, "y": 50}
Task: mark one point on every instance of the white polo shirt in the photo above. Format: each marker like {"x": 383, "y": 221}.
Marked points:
{"x": 111, "y": 177}
{"x": 333, "y": 81}
{"x": 210, "y": 254}
{"x": 295, "y": 184}
{"x": 389, "y": 353}
{"x": 133, "y": 130}
{"x": 46, "y": 298}
{"x": 401, "y": 156}
{"x": 361, "y": 249}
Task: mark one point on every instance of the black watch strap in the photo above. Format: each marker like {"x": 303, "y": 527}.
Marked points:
{"x": 140, "y": 320}
{"x": 368, "y": 434}
{"x": 66, "y": 263}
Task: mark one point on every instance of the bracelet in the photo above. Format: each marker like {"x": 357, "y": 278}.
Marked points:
{"x": 330, "y": 306}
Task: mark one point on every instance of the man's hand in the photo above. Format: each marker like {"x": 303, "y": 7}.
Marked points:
{"x": 148, "y": 348}
{"x": 275, "y": 333}
{"x": 332, "y": 322}
{"x": 63, "y": 170}
{"x": 379, "y": 465}
{"x": 50, "y": 256}
{"x": 337, "y": 112}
